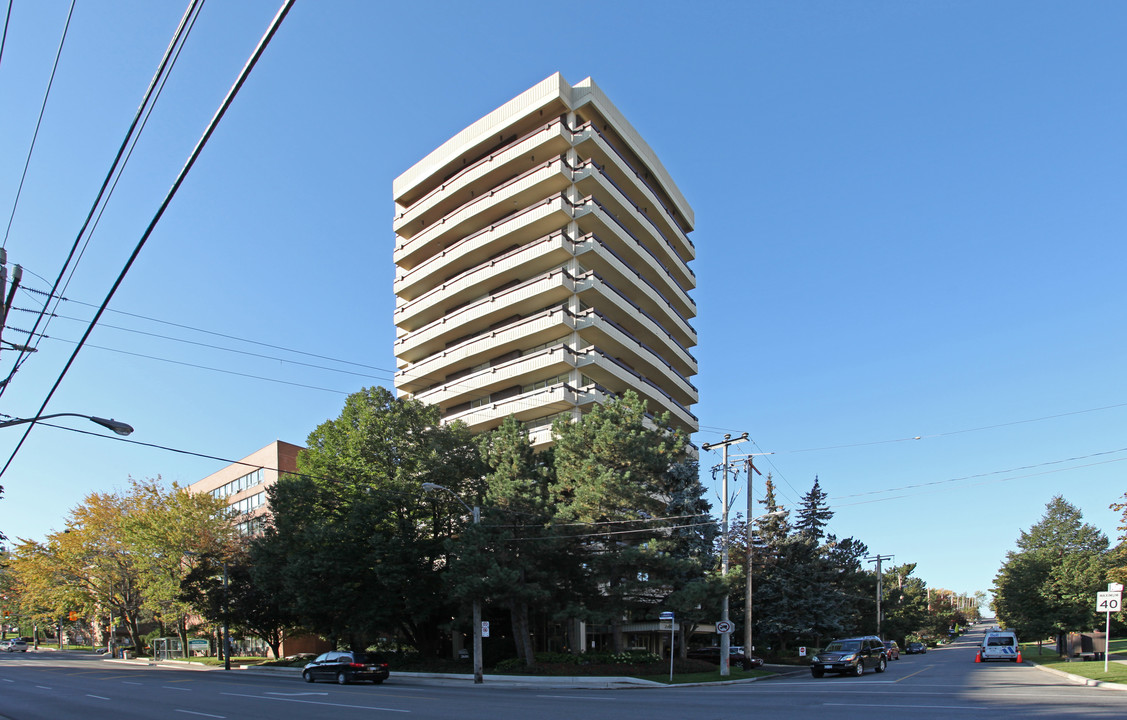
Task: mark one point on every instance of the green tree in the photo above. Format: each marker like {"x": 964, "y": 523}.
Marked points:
{"x": 612, "y": 473}
{"x": 1048, "y": 583}
{"x": 904, "y": 603}
{"x": 165, "y": 530}
{"x": 512, "y": 557}
{"x": 813, "y": 513}
{"x": 355, "y": 518}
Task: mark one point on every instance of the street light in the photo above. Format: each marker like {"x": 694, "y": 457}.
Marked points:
{"x": 118, "y": 427}
{"x": 476, "y": 510}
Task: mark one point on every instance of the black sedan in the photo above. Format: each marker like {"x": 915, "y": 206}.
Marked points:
{"x": 915, "y": 648}
{"x": 345, "y": 666}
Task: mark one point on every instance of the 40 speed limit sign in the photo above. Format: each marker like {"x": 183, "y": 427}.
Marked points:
{"x": 1109, "y": 602}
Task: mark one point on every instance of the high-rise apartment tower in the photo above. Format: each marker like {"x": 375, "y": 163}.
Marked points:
{"x": 542, "y": 266}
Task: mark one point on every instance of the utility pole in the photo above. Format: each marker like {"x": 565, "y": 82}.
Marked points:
{"x": 878, "y": 560}
{"x": 6, "y": 302}
{"x": 725, "y": 642}
{"x": 751, "y": 471}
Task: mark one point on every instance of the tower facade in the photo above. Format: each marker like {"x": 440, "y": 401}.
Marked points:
{"x": 542, "y": 266}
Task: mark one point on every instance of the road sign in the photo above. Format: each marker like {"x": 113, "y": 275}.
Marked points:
{"x": 724, "y": 627}
{"x": 485, "y": 628}
{"x": 1109, "y": 602}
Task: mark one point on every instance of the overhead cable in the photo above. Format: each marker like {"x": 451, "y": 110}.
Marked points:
{"x": 162, "y": 68}
{"x": 227, "y": 101}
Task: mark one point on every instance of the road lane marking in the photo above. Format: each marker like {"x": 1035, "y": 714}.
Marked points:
{"x": 910, "y": 707}
{"x": 296, "y": 694}
{"x": 99, "y": 697}
{"x": 169, "y": 687}
{"x": 42, "y": 687}
{"x": 192, "y": 712}
{"x": 315, "y": 702}
{"x": 576, "y": 697}
{"x": 929, "y": 667}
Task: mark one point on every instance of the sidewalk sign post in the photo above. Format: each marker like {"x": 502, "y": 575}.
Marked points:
{"x": 672, "y": 641}
{"x": 1107, "y": 603}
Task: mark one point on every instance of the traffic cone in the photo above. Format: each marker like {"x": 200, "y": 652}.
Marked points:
{"x": 1019, "y": 656}
{"x": 978, "y": 656}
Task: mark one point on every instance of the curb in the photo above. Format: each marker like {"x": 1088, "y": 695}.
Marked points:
{"x": 1078, "y": 679}
{"x": 594, "y": 682}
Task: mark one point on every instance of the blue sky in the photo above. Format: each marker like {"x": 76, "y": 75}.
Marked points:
{"x": 910, "y": 223}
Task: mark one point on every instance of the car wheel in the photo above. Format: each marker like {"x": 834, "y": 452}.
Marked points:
{"x": 882, "y": 665}
{"x": 306, "y": 676}
{"x": 817, "y": 672}
{"x": 859, "y": 668}
{"x": 342, "y": 679}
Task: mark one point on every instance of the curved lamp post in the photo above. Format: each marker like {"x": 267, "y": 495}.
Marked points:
{"x": 476, "y": 510}
{"x": 118, "y": 427}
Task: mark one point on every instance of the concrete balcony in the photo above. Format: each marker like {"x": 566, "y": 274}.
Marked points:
{"x": 531, "y": 331}
{"x": 591, "y": 144}
{"x": 616, "y": 377}
{"x": 615, "y": 306}
{"x": 479, "y": 178}
{"x": 596, "y": 330}
{"x": 542, "y": 219}
{"x": 596, "y": 255}
{"x": 593, "y": 219}
{"x": 535, "y": 258}
{"x": 495, "y": 310}
{"x": 524, "y": 370}
{"x": 526, "y": 406}
{"x": 494, "y": 206}
{"x": 594, "y": 183}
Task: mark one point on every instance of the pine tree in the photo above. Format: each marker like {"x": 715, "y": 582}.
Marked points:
{"x": 814, "y": 514}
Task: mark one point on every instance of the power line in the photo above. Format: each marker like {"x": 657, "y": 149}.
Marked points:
{"x": 4, "y": 36}
{"x": 147, "y": 100}
{"x": 259, "y": 50}
{"x": 39, "y": 122}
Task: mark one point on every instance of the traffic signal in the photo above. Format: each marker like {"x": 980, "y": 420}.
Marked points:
{"x": 72, "y": 616}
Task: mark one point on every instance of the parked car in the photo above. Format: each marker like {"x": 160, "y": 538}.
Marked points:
{"x": 850, "y": 656}
{"x": 16, "y": 645}
{"x": 891, "y": 649}
{"x": 915, "y": 648}
{"x": 345, "y": 666}
{"x": 736, "y": 657}
{"x": 999, "y": 645}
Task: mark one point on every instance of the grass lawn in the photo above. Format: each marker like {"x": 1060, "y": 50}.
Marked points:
{"x": 712, "y": 676}
{"x": 1091, "y": 669}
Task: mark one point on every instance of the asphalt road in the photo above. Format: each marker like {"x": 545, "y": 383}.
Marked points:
{"x": 944, "y": 683}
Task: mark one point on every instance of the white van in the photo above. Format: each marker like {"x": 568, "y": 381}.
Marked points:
{"x": 999, "y": 645}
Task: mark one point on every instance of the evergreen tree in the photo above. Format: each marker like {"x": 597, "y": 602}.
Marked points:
{"x": 813, "y": 513}
{"x": 612, "y": 473}
{"x": 1047, "y": 585}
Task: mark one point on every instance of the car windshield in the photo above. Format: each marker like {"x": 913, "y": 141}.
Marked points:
{"x": 1003, "y": 640}
{"x": 847, "y": 646}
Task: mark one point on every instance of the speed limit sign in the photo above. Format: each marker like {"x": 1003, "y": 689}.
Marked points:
{"x": 1109, "y": 602}
{"x": 724, "y": 627}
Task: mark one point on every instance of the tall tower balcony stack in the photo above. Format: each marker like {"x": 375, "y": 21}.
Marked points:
{"x": 542, "y": 266}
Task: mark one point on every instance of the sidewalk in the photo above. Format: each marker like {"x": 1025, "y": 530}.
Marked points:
{"x": 594, "y": 682}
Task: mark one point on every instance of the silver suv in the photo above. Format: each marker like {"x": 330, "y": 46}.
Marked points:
{"x": 16, "y": 645}
{"x": 851, "y": 656}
